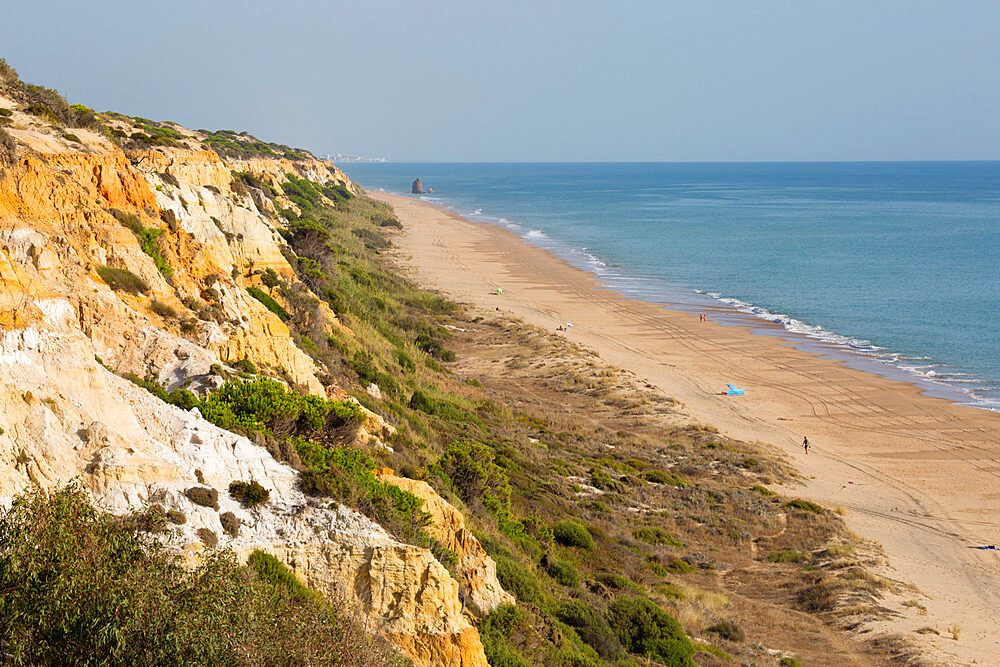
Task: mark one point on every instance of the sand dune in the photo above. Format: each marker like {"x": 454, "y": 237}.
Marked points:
{"x": 918, "y": 474}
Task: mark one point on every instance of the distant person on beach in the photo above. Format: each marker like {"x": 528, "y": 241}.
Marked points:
{"x": 805, "y": 444}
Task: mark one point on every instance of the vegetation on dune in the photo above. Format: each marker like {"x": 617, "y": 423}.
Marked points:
{"x": 82, "y": 587}
{"x": 242, "y": 145}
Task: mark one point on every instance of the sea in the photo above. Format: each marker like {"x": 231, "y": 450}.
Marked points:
{"x": 892, "y": 267}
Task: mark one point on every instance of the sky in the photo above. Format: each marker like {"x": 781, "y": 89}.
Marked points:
{"x": 480, "y": 81}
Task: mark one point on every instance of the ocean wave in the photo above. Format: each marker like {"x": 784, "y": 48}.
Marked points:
{"x": 966, "y": 384}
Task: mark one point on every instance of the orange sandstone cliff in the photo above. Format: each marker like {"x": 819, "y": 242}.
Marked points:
{"x": 66, "y": 337}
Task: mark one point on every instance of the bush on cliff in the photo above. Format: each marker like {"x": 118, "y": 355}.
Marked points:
{"x": 275, "y": 573}
{"x": 122, "y": 280}
{"x": 348, "y": 475}
{"x": 269, "y": 303}
{"x": 80, "y": 587}
{"x": 250, "y": 493}
{"x": 263, "y": 404}
{"x": 470, "y": 469}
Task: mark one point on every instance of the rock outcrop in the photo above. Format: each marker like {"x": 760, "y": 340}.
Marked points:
{"x": 481, "y": 590}
{"x": 65, "y": 335}
{"x": 418, "y": 187}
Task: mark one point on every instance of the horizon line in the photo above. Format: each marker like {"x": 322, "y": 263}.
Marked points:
{"x": 391, "y": 161}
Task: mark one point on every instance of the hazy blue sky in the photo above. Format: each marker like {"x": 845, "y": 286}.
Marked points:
{"x": 483, "y": 81}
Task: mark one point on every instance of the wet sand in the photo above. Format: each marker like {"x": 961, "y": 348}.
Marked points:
{"x": 918, "y": 474}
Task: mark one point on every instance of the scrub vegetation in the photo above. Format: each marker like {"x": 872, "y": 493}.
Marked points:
{"x": 83, "y": 587}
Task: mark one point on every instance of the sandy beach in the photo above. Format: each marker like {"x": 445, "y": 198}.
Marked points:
{"x": 917, "y": 474}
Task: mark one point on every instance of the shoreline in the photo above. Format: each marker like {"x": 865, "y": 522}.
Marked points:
{"x": 918, "y": 474}
{"x": 862, "y": 355}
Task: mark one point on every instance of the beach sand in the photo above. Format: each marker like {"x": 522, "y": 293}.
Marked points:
{"x": 917, "y": 474}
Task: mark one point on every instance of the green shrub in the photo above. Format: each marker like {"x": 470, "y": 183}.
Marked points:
{"x": 679, "y": 566}
{"x": 469, "y": 468}
{"x": 347, "y": 475}
{"x": 805, "y": 506}
{"x": 43, "y": 112}
{"x": 647, "y": 630}
{"x": 270, "y": 278}
{"x": 405, "y": 361}
{"x": 122, "y": 280}
{"x": 269, "y": 303}
{"x": 727, "y": 630}
{"x": 786, "y": 556}
{"x": 602, "y": 480}
{"x": 789, "y": 662}
{"x": 667, "y": 589}
{"x": 762, "y": 490}
{"x": 79, "y": 587}
{"x": 656, "y": 535}
{"x": 572, "y": 533}
{"x": 150, "y": 384}
{"x": 153, "y": 519}
{"x": 162, "y": 309}
{"x": 263, "y": 404}
{"x": 591, "y": 627}
{"x": 208, "y": 537}
{"x": 230, "y": 523}
{"x": 204, "y": 496}
{"x": 249, "y": 493}
{"x": 274, "y": 572}
{"x": 494, "y": 631}
{"x": 433, "y": 347}
{"x": 148, "y": 240}
{"x": 176, "y": 517}
{"x": 663, "y": 477}
{"x": 563, "y": 571}
{"x": 655, "y": 567}
{"x": 244, "y": 366}
{"x": 597, "y": 506}
{"x": 516, "y": 580}
{"x": 421, "y": 401}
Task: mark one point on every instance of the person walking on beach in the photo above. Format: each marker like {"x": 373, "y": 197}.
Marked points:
{"x": 805, "y": 444}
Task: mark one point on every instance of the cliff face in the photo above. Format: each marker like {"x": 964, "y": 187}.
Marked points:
{"x": 65, "y": 335}
{"x": 480, "y": 588}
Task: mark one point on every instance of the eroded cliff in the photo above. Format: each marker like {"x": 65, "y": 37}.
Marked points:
{"x": 73, "y": 207}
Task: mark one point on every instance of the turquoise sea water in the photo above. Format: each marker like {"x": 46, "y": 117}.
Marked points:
{"x": 892, "y": 266}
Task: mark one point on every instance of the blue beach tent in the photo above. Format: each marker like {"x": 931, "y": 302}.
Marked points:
{"x": 733, "y": 391}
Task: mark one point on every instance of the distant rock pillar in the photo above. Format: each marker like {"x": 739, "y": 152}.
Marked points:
{"x": 418, "y": 187}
